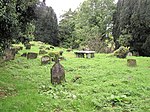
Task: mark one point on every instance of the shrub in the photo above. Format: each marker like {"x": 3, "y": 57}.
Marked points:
{"x": 121, "y": 52}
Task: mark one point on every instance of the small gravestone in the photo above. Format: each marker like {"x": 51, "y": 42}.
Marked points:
{"x": 28, "y": 46}
{"x": 57, "y": 72}
{"x": 52, "y": 47}
{"x": 69, "y": 50}
{"x": 32, "y": 55}
{"x": 45, "y": 60}
{"x": 24, "y": 55}
{"x": 42, "y": 51}
{"x": 9, "y": 54}
{"x": 129, "y": 54}
{"x": 41, "y": 47}
{"x": 131, "y": 62}
{"x": 47, "y": 48}
{"x": 60, "y": 52}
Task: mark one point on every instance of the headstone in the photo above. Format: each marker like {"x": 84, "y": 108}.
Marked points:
{"x": 129, "y": 54}
{"x": 52, "y": 47}
{"x": 57, "y": 72}
{"x": 9, "y": 54}
{"x": 45, "y": 60}
{"x": 47, "y": 48}
{"x": 60, "y": 52}
{"x": 42, "y": 52}
{"x": 69, "y": 50}
{"x": 28, "y": 46}
{"x": 131, "y": 62}
{"x": 24, "y": 55}
{"x": 32, "y": 55}
{"x": 41, "y": 47}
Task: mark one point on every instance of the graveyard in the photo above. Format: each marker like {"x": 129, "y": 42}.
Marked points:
{"x": 103, "y": 83}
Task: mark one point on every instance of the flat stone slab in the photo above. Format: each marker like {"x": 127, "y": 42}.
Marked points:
{"x": 80, "y": 54}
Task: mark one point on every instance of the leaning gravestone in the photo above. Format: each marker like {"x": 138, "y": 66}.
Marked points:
{"x": 57, "y": 72}
{"x": 9, "y": 54}
{"x": 32, "y": 55}
{"x": 45, "y": 60}
{"x": 131, "y": 62}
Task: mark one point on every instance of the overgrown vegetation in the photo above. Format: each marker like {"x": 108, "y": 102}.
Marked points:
{"x": 101, "y": 84}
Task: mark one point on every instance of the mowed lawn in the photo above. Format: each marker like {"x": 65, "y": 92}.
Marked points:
{"x": 101, "y": 84}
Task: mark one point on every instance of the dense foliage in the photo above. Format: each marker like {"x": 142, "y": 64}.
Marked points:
{"x": 132, "y": 25}
{"x": 15, "y": 20}
{"x": 89, "y": 25}
{"x": 46, "y": 29}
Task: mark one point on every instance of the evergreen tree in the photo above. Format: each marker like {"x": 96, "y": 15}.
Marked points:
{"x": 132, "y": 26}
{"x": 46, "y": 29}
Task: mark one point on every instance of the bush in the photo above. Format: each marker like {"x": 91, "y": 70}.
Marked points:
{"x": 53, "y": 55}
{"x": 121, "y": 52}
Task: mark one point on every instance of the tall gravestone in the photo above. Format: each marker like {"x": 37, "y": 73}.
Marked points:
{"x": 57, "y": 72}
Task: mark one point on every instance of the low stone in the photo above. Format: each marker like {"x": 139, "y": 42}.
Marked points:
{"x": 131, "y": 62}
{"x": 28, "y": 46}
{"x": 47, "y": 48}
{"x": 24, "y": 55}
{"x": 45, "y": 60}
{"x": 61, "y": 53}
{"x": 32, "y": 55}
{"x": 9, "y": 54}
{"x": 61, "y": 58}
{"x": 129, "y": 54}
{"x": 42, "y": 52}
{"x": 42, "y": 47}
{"x": 52, "y": 47}
{"x": 69, "y": 50}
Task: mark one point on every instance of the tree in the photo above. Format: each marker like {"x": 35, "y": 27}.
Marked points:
{"x": 66, "y": 30}
{"x": 46, "y": 29}
{"x": 132, "y": 19}
{"x": 91, "y": 21}
{"x": 15, "y": 16}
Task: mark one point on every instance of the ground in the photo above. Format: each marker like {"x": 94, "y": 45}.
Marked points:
{"x": 101, "y": 84}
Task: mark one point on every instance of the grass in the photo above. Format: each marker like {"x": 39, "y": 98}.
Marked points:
{"x": 105, "y": 84}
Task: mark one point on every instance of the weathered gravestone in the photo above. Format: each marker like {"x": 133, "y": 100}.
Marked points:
{"x": 45, "y": 60}
{"x": 131, "y": 62}
{"x": 9, "y": 54}
{"x": 69, "y": 50}
{"x": 42, "y": 51}
{"x": 57, "y": 72}
{"x": 129, "y": 54}
{"x": 61, "y": 53}
{"x": 32, "y": 55}
{"x": 28, "y": 46}
{"x": 24, "y": 55}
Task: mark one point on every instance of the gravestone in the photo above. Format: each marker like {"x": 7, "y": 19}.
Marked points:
{"x": 131, "y": 62}
{"x": 47, "y": 48}
{"x": 24, "y": 55}
{"x": 32, "y": 55}
{"x": 69, "y": 50}
{"x": 41, "y": 47}
{"x": 52, "y": 47}
{"x": 42, "y": 52}
{"x": 57, "y": 72}
{"x": 45, "y": 60}
{"x": 9, "y": 54}
{"x": 28, "y": 46}
{"x": 129, "y": 54}
{"x": 60, "y": 52}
